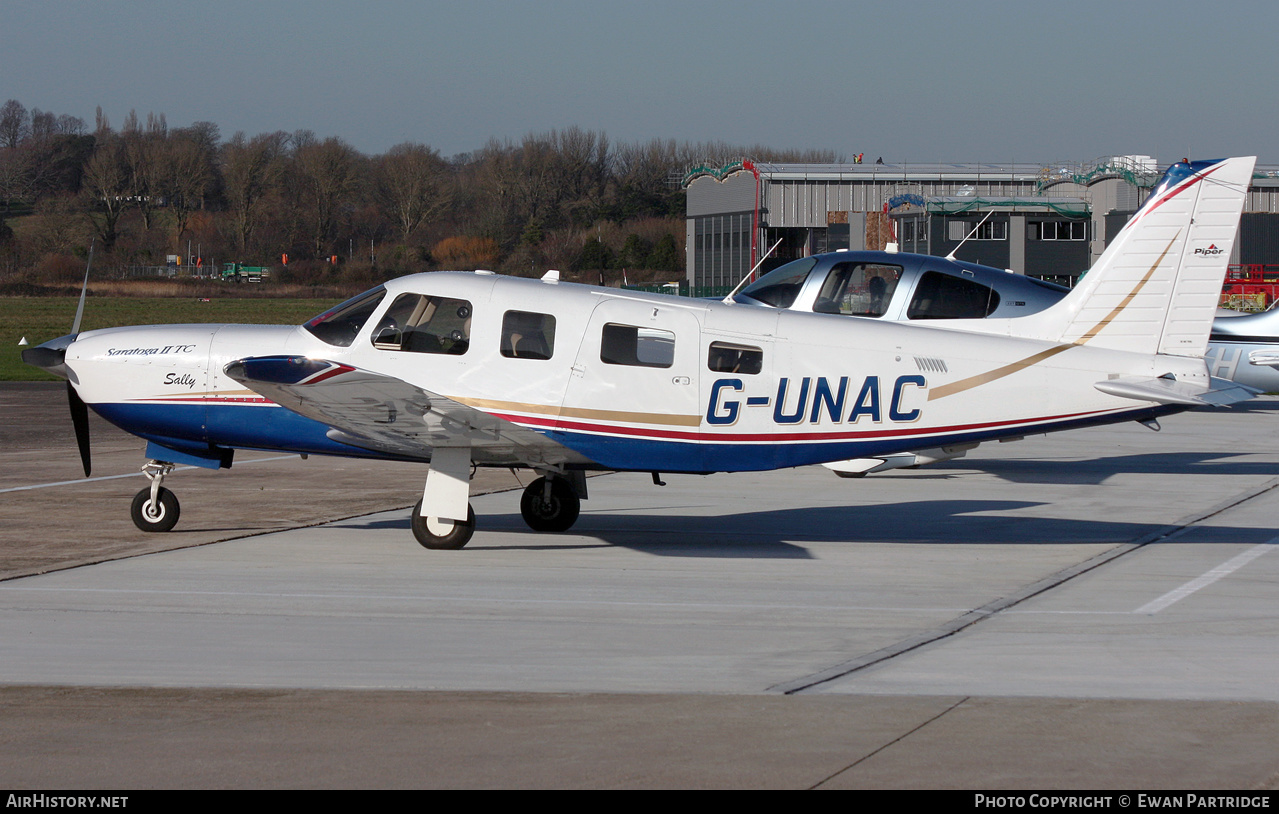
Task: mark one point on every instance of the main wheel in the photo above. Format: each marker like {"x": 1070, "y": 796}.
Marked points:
{"x": 555, "y": 513}
{"x": 436, "y": 532}
{"x": 148, "y": 517}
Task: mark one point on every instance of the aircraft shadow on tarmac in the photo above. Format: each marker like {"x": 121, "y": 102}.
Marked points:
{"x": 1256, "y": 405}
{"x": 1098, "y": 470}
{"x": 784, "y": 533}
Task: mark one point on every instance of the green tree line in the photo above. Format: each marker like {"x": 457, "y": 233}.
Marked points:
{"x": 567, "y": 199}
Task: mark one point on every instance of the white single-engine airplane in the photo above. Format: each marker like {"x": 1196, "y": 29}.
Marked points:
{"x": 466, "y": 369}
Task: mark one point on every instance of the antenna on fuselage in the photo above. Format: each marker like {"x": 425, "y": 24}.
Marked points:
{"x": 751, "y": 273}
{"x": 951, "y": 256}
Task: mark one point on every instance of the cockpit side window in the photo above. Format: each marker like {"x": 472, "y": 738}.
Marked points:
{"x": 858, "y": 289}
{"x": 421, "y": 324}
{"x": 943, "y": 296}
{"x": 781, "y": 286}
{"x": 340, "y": 324}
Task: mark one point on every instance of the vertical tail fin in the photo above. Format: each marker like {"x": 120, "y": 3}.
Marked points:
{"x": 1155, "y": 288}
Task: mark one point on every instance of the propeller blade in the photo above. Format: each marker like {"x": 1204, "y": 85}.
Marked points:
{"x": 84, "y": 290}
{"x": 80, "y": 420}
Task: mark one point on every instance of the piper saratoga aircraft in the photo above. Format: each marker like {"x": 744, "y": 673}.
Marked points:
{"x": 466, "y": 369}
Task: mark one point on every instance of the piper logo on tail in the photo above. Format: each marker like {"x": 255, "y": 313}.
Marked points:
{"x": 1211, "y": 251}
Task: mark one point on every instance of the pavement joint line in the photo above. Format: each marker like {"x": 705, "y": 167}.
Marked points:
{"x": 79, "y": 481}
{"x": 903, "y": 736}
{"x": 973, "y": 617}
{"x": 67, "y": 566}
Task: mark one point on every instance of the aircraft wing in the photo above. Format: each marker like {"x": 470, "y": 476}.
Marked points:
{"x": 385, "y": 414}
{"x": 1170, "y": 391}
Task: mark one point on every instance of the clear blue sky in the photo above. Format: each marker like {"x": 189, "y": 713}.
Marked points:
{"x": 909, "y": 81}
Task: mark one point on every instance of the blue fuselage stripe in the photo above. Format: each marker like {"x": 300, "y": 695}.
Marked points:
{"x": 197, "y": 427}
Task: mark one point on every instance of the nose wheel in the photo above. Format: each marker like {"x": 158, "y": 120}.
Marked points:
{"x": 155, "y": 508}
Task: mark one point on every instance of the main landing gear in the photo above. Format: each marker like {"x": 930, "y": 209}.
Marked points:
{"x": 155, "y": 508}
{"x": 550, "y": 503}
{"x": 439, "y": 533}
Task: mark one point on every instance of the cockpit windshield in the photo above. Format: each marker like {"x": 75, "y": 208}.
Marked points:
{"x": 340, "y": 324}
{"x": 781, "y": 286}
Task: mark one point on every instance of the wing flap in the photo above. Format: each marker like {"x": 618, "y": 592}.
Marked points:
{"x": 386, "y": 414}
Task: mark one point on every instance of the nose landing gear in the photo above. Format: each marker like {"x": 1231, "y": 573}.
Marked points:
{"x": 155, "y": 508}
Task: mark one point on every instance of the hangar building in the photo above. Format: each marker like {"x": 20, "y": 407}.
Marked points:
{"x": 1047, "y": 221}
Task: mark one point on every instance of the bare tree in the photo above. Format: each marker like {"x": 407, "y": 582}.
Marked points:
{"x": 252, "y": 171}
{"x": 44, "y": 126}
{"x": 69, "y": 125}
{"x": 14, "y": 124}
{"x": 17, "y": 175}
{"x": 186, "y": 173}
{"x": 492, "y": 179}
{"x": 327, "y": 172}
{"x": 101, "y": 124}
{"x": 413, "y": 186}
{"x": 143, "y": 151}
{"x": 106, "y": 188}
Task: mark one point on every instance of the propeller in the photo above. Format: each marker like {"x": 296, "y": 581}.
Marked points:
{"x": 52, "y": 357}
{"x": 80, "y": 420}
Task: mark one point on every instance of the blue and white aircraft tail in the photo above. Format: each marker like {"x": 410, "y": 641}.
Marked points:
{"x": 1155, "y": 288}
{"x": 468, "y": 369}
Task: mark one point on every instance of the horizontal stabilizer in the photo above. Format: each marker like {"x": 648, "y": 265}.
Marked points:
{"x": 1171, "y": 391}
{"x": 860, "y": 467}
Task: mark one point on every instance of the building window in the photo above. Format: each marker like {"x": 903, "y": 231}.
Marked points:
{"x": 957, "y": 230}
{"x": 1058, "y": 230}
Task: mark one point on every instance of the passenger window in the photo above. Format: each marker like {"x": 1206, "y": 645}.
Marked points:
{"x": 526, "y": 335}
{"x": 422, "y": 324}
{"x": 942, "y": 296}
{"x": 725, "y": 357}
{"x": 637, "y": 347}
{"x": 858, "y": 289}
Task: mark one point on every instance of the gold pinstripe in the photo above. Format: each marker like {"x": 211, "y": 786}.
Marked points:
{"x": 1007, "y": 370}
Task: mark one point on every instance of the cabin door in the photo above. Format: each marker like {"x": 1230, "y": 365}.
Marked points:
{"x": 635, "y": 378}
